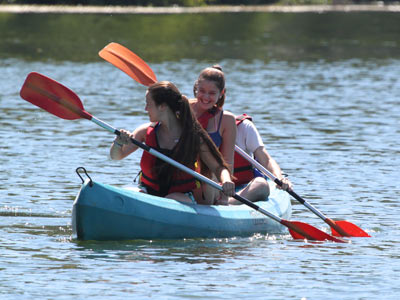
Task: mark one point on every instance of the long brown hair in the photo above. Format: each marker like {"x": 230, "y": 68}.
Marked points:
{"x": 215, "y": 75}
{"x": 187, "y": 149}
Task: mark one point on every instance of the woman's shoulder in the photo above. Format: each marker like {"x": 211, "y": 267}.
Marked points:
{"x": 228, "y": 122}
{"x": 145, "y": 126}
{"x": 247, "y": 123}
{"x": 247, "y": 126}
{"x": 228, "y": 116}
{"x": 142, "y": 129}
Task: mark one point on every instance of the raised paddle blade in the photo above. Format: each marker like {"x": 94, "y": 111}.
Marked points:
{"x": 350, "y": 229}
{"x": 53, "y": 97}
{"x": 310, "y": 232}
{"x": 128, "y": 62}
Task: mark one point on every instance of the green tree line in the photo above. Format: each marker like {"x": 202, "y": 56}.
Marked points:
{"x": 184, "y": 2}
{"x": 141, "y": 2}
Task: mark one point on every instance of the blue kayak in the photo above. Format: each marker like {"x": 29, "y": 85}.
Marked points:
{"x": 105, "y": 212}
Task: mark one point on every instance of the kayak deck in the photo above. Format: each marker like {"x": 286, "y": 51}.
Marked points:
{"x": 104, "y": 212}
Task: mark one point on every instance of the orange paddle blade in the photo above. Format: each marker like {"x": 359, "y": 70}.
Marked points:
{"x": 53, "y": 97}
{"x": 349, "y": 228}
{"x": 300, "y": 230}
{"x": 128, "y": 62}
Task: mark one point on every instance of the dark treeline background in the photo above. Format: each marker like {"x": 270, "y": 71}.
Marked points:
{"x": 142, "y": 2}
{"x": 186, "y": 2}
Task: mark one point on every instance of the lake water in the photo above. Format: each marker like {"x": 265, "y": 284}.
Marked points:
{"x": 323, "y": 90}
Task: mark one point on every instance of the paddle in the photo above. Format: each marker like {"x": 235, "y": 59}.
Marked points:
{"x": 338, "y": 228}
{"x": 64, "y": 103}
{"x": 143, "y": 74}
{"x": 129, "y": 62}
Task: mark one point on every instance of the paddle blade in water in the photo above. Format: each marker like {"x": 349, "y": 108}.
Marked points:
{"x": 350, "y": 229}
{"x": 128, "y": 62}
{"x": 53, "y": 97}
{"x": 297, "y": 229}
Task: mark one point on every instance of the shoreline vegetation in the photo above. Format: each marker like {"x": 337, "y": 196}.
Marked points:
{"x": 91, "y": 9}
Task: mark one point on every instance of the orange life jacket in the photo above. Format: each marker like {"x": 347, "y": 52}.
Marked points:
{"x": 181, "y": 182}
{"x": 243, "y": 170}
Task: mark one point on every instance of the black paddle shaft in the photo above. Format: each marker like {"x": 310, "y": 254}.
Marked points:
{"x": 291, "y": 192}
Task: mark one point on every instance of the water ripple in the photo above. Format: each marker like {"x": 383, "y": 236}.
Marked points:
{"x": 332, "y": 126}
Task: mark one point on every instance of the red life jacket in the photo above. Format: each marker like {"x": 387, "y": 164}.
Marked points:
{"x": 204, "y": 119}
{"x": 243, "y": 170}
{"x": 206, "y": 116}
{"x": 181, "y": 182}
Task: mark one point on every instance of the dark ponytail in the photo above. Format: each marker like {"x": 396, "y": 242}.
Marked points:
{"x": 187, "y": 149}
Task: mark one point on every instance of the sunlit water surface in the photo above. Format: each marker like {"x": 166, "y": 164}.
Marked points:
{"x": 333, "y": 126}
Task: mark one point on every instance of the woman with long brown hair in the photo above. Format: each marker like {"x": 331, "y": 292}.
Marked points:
{"x": 174, "y": 131}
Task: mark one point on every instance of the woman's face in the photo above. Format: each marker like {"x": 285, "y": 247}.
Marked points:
{"x": 152, "y": 109}
{"x": 207, "y": 94}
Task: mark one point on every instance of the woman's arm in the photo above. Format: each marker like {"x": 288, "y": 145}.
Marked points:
{"x": 228, "y": 132}
{"x": 222, "y": 173}
{"x": 122, "y": 146}
{"x": 249, "y": 138}
{"x": 263, "y": 157}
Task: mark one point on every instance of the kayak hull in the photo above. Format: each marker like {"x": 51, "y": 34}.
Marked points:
{"x": 104, "y": 212}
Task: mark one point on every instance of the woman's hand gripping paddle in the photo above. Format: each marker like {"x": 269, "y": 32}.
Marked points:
{"x": 64, "y": 103}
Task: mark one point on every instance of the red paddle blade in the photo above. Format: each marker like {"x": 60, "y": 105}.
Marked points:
{"x": 128, "y": 62}
{"x": 53, "y": 97}
{"x": 350, "y": 229}
{"x": 300, "y": 230}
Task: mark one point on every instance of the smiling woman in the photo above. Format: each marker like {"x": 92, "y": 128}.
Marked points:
{"x": 220, "y": 124}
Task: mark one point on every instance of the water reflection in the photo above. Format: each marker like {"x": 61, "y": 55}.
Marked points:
{"x": 191, "y": 251}
{"x": 204, "y": 37}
